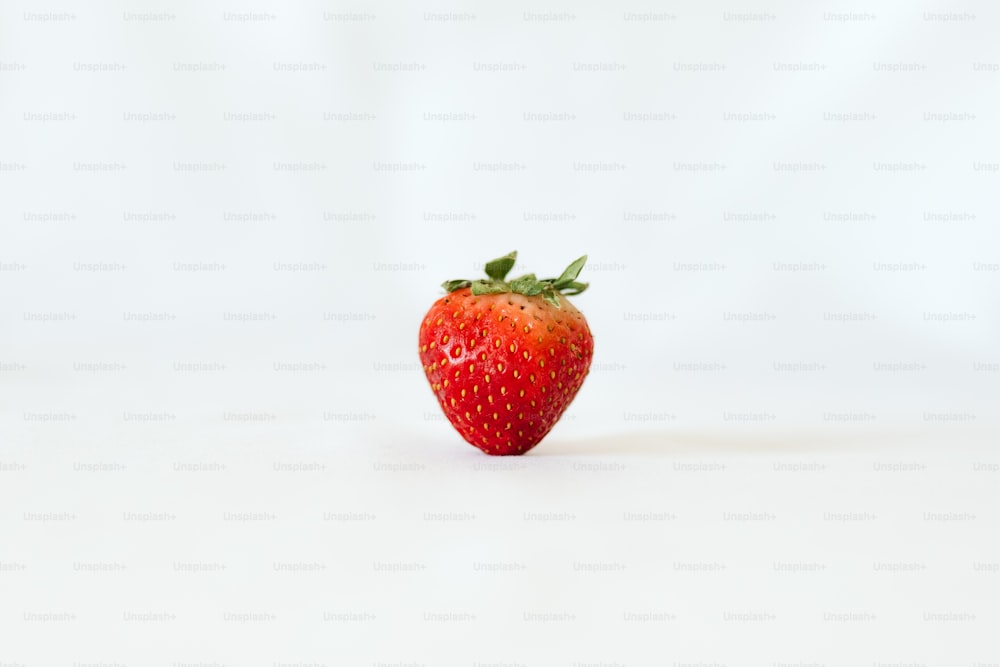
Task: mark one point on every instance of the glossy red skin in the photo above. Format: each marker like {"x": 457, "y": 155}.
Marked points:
{"x": 519, "y": 360}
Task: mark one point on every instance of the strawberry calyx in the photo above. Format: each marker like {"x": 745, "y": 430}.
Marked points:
{"x": 528, "y": 285}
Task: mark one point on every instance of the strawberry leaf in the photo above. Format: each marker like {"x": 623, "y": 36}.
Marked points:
{"x": 489, "y": 287}
{"x": 501, "y": 266}
{"x": 574, "y": 288}
{"x": 452, "y": 285}
{"x": 571, "y": 273}
{"x": 552, "y": 297}
{"x": 525, "y": 283}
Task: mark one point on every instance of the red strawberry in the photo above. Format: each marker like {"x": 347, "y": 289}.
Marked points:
{"x": 505, "y": 359}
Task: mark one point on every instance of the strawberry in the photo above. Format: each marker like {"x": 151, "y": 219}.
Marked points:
{"x": 505, "y": 359}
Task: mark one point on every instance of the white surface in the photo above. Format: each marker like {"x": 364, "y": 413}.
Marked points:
{"x": 207, "y": 339}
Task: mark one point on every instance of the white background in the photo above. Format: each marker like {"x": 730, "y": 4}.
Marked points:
{"x": 221, "y": 223}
